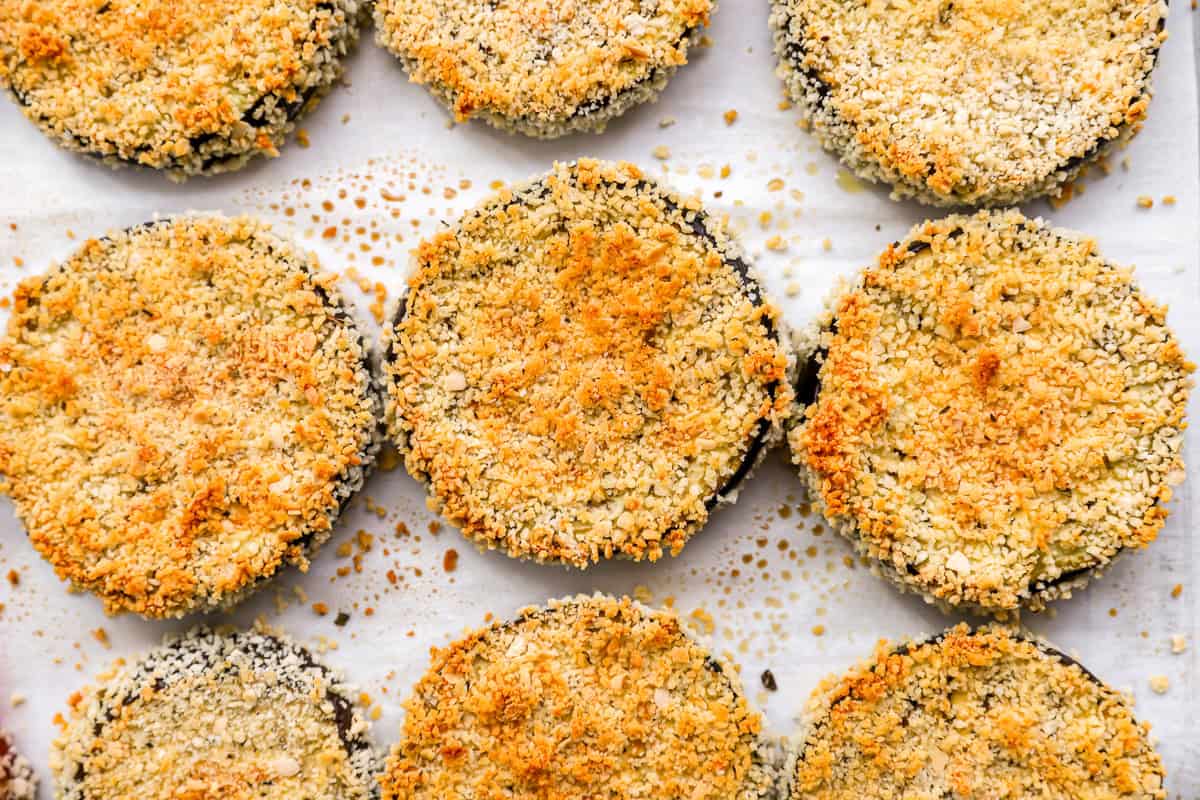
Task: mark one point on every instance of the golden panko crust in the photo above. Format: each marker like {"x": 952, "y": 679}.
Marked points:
{"x": 184, "y": 409}
{"x": 999, "y": 412}
{"x": 593, "y": 697}
{"x": 186, "y": 87}
{"x": 583, "y": 367}
{"x": 984, "y": 713}
{"x": 970, "y": 102}
{"x": 540, "y": 67}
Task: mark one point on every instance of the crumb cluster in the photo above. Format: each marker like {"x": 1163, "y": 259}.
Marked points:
{"x": 235, "y": 715}
{"x": 17, "y": 779}
{"x": 998, "y": 412}
{"x": 184, "y": 408}
{"x": 592, "y": 697}
{"x": 542, "y": 68}
{"x": 584, "y": 367}
{"x": 190, "y": 88}
{"x": 971, "y": 102}
{"x": 984, "y": 713}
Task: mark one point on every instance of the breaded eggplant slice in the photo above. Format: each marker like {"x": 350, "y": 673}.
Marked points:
{"x": 242, "y": 714}
{"x": 973, "y": 713}
{"x": 584, "y": 367}
{"x": 185, "y": 407}
{"x": 996, "y": 412}
{"x": 189, "y": 88}
{"x": 970, "y": 102}
{"x": 539, "y": 68}
{"x": 591, "y": 697}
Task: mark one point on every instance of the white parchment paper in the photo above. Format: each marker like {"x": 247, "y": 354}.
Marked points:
{"x": 384, "y": 168}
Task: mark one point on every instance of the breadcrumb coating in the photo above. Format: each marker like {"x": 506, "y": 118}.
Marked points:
{"x": 538, "y": 67}
{"x": 583, "y": 367}
{"x": 17, "y": 779}
{"x": 999, "y": 412}
{"x": 189, "y": 88}
{"x": 184, "y": 409}
{"x": 970, "y": 102}
{"x": 984, "y": 713}
{"x": 592, "y": 697}
{"x": 217, "y": 715}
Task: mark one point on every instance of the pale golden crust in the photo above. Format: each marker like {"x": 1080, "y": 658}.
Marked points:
{"x": 183, "y": 409}
{"x": 594, "y": 697}
{"x": 973, "y": 102}
{"x": 217, "y": 716}
{"x": 973, "y": 714}
{"x": 539, "y": 66}
{"x": 999, "y": 408}
{"x": 582, "y": 368}
{"x": 188, "y": 87}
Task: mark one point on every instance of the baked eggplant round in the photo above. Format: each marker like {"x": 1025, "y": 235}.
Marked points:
{"x": 590, "y": 697}
{"x": 17, "y": 778}
{"x": 973, "y": 713}
{"x": 225, "y": 714}
{"x": 185, "y": 408}
{"x": 994, "y": 412}
{"x": 540, "y": 68}
{"x": 584, "y": 367}
{"x": 188, "y": 88}
{"x": 970, "y": 102}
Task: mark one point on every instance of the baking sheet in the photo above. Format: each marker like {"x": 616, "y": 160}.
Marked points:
{"x": 384, "y": 168}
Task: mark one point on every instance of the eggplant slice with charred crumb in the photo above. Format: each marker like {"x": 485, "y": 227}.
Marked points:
{"x": 218, "y": 714}
{"x": 970, "y": 102}
{"x": 17, "y": 778}
{"x": 593, "y": 697}
{"x": 997, "y": 412}
{"x": 583, "y": 367}
{"x": 187, "y": 88}
{"x": 538, "y": 68}
{"x": 185, "y": 407}
{"x": 972, "y": 713}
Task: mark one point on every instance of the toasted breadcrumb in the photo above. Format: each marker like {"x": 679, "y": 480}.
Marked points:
{"x": 592, "y": 697}
{"x": 985, "y": 713}
{"x": 974, "y": 102}
{"x": 17, "y": 778}
{"x": 999, "y": 412}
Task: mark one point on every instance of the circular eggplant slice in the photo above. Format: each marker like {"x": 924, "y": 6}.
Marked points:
{"x": 972, "y": 713}
{"x": 218, "y": 714}
{"x": 995, "y": 413}
{"x": 970, "y": 102}
{"x": 538, "y": 68}
{"x": 591, "y": 697}
{"x": 584, "y": 367}
{"x": 17, "y": 778}
{"x": 185, "y": 408}
{"x": 186, "y": 88}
